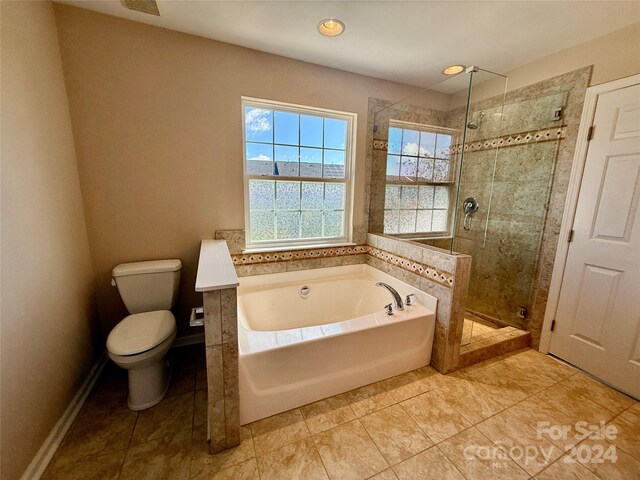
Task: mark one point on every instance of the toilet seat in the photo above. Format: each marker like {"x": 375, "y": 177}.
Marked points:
{"x": 141, "y": 332}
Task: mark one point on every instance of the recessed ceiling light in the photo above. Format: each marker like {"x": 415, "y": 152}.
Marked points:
{"x": 330, "y": 27}
{"x": 453, "y": 69}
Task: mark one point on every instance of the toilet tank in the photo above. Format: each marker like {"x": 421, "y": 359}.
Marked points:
{"x": 148, "y": 286}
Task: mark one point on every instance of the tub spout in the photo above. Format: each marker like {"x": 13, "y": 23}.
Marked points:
{"x": 397, "y": 299}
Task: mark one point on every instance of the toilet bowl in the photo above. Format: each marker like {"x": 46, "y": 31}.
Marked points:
{"x": 140, "y": 342}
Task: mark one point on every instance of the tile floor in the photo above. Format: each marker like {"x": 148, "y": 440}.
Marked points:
{"x": 473, "y": 424}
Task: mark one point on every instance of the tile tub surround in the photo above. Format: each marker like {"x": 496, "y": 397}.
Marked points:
{"x": 217, "y": 280}
{"x": 412, "y": 426}
{"x": 433, "y": 271}
{"x": 221, "y": 340}
{"x": 308, "y": 258}
{"x": 451, "y": 294}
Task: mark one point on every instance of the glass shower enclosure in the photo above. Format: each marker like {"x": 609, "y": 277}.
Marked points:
{"x": 472, "y": 178}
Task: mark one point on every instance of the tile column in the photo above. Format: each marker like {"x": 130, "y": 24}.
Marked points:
{"x": 218, "y": 282}
{"x": 221, "y": 338}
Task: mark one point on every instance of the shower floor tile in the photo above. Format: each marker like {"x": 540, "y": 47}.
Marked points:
{"x": 416, "y": 425}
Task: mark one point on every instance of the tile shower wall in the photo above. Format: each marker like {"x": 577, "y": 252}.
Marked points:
{"x": 380, "y": 113}
{"x": 531, "y": 159}
{"x": 504, "y": 235}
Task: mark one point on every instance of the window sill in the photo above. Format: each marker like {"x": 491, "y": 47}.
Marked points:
{"x": 298, "y": 247}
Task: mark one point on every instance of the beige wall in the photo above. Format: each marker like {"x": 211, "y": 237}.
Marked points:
{"x": 615, "y": 55}
{"x": 47, "y": 347}
{"x": 157, "y": 125}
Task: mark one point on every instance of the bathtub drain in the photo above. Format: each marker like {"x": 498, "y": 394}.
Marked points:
{"x": 304, "y": 291}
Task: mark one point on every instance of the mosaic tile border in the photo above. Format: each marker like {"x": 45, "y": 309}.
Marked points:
{"x": 511, "y": 140}
{"x": 514, "y": 139}
{"x": 441, "y": 277}
{"x": 435, "y": 275}
{"x": 291, "y": 255}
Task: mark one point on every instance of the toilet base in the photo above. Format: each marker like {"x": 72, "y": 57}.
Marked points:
{"x": 148, "y": 386}
{"x": 149, "y": 375}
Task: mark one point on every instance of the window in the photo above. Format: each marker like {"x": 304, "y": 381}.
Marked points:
{"x": 298, "y": 174}
{"x": 419, "y": 173}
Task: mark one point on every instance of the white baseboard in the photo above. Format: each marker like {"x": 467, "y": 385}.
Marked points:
{"x": 188, "y": 340}
{"x": 39, "y": 463}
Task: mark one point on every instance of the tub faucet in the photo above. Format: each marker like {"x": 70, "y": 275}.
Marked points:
{"x": 397, "y": 299}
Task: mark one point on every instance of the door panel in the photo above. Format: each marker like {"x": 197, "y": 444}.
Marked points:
{"x": 598, "y": 288}
{"x": 598, "y": 314}
{"x": 618, "y": 198}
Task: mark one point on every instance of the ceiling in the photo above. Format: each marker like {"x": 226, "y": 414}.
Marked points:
{"x": 403, "y": 41}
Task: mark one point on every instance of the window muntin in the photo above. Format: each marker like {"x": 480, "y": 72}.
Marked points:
{"x": 298, "y": 177}
{"x": 418, "y": 186}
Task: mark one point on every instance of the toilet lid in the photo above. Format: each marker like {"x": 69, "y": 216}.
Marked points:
{"x": 141, "y": 332}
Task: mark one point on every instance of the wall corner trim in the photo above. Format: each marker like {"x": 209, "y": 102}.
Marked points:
{"x": 41, "y": 460}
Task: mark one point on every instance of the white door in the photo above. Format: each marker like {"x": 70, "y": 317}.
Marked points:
{"x": 597, "y": 322}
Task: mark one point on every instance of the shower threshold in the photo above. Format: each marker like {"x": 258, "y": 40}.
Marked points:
{"x": 483, "y": 339}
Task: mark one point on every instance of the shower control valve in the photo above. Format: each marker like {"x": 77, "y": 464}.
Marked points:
{"x": 408, "y": 300}
{"x": 388, "y": 309}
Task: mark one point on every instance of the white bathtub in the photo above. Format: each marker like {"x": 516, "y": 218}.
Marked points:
{"x": 295, "y": 350}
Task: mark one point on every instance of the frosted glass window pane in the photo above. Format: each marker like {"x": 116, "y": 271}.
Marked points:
{"x": 333, "y": 223}
{"x": 311, "y": 224}
{"x": 410, "y": 142}
{"x": 407, "y": 221}
{"x": 288, "y": 195}
{"x": 425, "y": 197}
{"x": 312, "y": 196}
{"x": 259, "y": 159}
{"x": 261, "y": 194}
{"x": 391, "y": 221}
{"x": 333, "y": 164}
{"x": 310, "y": 131}
{"x": 393, "y": 167}
{"x": 310, "y": 162}
{"x": 258, "y": 125}
{"x": 441, "y": 171}
{"x": 395, "y": 140}
{"x": 288, "y": 225}
{"x": 286, "y": 128}
{"x": 262, "y": 224}
{"x": 392, "y": 197}
{"x": 427, "y": 144}
{"x": 409, "y": 197}
{"x": 425, "y": 169}
{"x": 334, "y": 196}
{"x": 286, "y": 160}
{"x": 439, "y": 223}
{"x": 423, "y": 223}
{"x": 335, "y": 133}
{"x": 443, "y": 146}
{"x": 408, "y": 168}
{"x": 441, "y": 199}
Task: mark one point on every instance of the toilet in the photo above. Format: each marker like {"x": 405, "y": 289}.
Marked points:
{"x": 140, "y": 341}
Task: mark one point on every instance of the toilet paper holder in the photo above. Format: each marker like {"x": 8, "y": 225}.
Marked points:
{"x": 197, "y": 317}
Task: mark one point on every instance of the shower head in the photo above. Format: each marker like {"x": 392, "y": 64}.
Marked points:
{"x": 476, "y": 121}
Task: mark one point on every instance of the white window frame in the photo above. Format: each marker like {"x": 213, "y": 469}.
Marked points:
{"x": 348, "y": 180}
{"x": 451, "y": 183}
